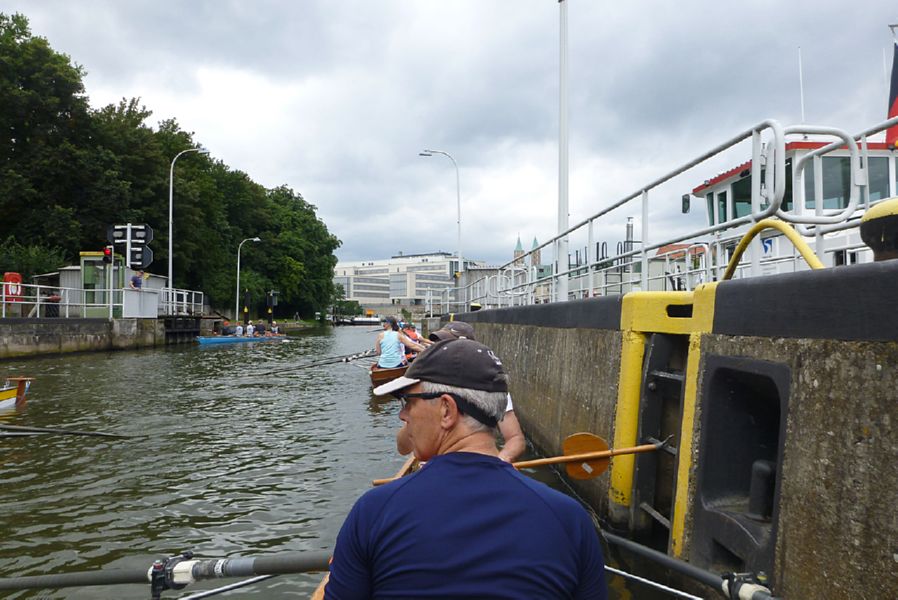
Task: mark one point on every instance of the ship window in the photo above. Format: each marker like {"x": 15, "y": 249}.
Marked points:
{"x": 836, "y": 183}
{"x": 709, "y": 198}
{"x": 721, "y": 207}
{"x": 878, "y": 176}
{"x": 787, "y": 197}
{"x": 742, "y": 197}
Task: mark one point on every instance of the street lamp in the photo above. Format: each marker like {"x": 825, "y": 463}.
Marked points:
{"x": 237, "y": 303}
{"x": 461, "y": 262}
{"x": 171, "y": 205}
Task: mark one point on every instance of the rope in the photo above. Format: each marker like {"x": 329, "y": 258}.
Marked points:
{"x": 650, "y": 583}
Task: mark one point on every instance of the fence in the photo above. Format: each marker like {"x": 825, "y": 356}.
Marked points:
{"x": 42, "y": 302}
{"x": 707, "y": 249}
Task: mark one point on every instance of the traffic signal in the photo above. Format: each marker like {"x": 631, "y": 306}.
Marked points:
{"x": 107, "y": 254}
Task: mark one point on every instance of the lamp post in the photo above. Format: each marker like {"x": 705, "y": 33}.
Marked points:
{"x": 561, "y": 246}
{"x": 461, "y": 262}
{"x": 171, "y": 205}
{"x": 237, "y": 302}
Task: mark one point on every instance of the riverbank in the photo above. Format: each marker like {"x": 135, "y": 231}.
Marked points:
{"x": 47, "y": 336}
{"x": 31, "y": 337}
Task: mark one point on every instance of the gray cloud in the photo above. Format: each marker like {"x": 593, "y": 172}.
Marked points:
{"x": 336, "y": 99}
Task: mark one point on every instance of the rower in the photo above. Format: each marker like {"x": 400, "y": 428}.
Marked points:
{"x": 389, "y": 345}
{"x": 412, "y": 333}
{"x": 467, "y": 524}
{"x": 509, "y": 426}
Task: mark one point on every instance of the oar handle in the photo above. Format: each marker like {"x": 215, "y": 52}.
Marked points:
{"x": 585, "y": 457}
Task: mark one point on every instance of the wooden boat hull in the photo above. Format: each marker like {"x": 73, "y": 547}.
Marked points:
{"x": 233, "y": 339}
{"x": 382, "y": 376}
{"x": 409, "y": 466}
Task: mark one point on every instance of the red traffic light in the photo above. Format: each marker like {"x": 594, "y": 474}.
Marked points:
{"x": 107, "y": 254}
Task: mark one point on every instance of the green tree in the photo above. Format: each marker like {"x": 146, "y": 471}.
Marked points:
{"x": 29, "y": 260}
{"x": 342, "y": 306}
{"x": 68, "y": 171}
{"x": 44, "y": 118}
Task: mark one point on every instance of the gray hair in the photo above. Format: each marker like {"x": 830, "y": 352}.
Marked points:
{"x": 492, "y": 403}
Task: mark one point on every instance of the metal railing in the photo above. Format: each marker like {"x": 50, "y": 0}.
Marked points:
{"x": 46, "y": 302}
{"x": 705, "y": 258}
{"x": 178, "y": 302}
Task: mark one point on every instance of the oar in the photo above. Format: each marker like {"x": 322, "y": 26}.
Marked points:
{"x": 23, "y": 429}
{"x": 188, "y": 571}
{"x": 586, "y": 455}
{"x": 325, "y": 361}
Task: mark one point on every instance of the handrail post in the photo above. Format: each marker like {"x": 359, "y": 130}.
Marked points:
{"x": 645, "y": 241}
{"x": 755, "y": 197}
{"x": 590, "y": 258}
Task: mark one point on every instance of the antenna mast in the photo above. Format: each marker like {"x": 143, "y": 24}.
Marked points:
{"x": 800, "y": 84}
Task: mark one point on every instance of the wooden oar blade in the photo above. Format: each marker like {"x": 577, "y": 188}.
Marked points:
{"x": 583, "y": 443}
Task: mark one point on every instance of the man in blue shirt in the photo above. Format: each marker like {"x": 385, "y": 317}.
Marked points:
{"x": 467, "y": 524}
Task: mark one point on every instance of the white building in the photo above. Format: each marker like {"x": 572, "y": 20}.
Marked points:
{"x": 404, "y": 279}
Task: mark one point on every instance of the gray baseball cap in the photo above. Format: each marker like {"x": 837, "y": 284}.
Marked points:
{"x": 458, "y": 362}
{"x": 453, "y": 330}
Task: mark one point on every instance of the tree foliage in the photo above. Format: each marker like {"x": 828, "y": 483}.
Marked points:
{"x": 342, "y": 306}
{"x": 67, "y": 171}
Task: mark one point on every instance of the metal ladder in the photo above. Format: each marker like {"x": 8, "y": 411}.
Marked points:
{"x": 660, "y": 413}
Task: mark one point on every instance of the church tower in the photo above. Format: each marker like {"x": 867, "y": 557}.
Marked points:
{"x": 535, "y": 255}
{"x": 519, "y": 252}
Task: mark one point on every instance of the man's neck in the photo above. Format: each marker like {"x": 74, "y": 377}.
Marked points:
{"x": 479, "y": 442}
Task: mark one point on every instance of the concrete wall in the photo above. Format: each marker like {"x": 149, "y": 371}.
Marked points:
{"x": 28, "y": 337}
{"x": 837, "y": 521}
{"x": 563, "y": 381}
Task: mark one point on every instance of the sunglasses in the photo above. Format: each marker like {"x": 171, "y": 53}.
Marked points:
{"x": 463, "y": 405}
{"x": 405, "y": 398}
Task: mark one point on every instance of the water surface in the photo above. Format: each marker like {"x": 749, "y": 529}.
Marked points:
{"x": 225, "y": 458}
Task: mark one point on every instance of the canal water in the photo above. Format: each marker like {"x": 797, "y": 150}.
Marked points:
{"x": 232, "y": 450}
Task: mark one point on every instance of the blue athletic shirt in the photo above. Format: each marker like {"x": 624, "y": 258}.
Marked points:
{"x": 467, "y": 526}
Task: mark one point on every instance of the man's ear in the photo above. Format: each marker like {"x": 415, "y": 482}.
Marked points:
{"x": 449, "y": 414}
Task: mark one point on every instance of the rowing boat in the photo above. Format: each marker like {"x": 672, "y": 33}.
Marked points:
{"x": 234, "y": 339}
{"x": 409, "y": 466}
{"x": 12, "y": 394}
{"x": 381, "y": 376}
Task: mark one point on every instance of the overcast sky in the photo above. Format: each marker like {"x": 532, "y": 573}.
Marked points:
{"x": 336, "y": 98}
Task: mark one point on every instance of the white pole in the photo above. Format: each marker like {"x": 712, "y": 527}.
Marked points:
{"x": 801, "y": 84}
{"x": 110, "y": 271}
{"x": 885, "y": 74}
{"x": 461, "y": 260}
{"x": 561, "y": 246}
{"x": 171, "y": 204}
{"x": 237, "y": 301}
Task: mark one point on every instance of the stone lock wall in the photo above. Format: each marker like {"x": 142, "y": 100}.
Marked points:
{"x": 562, "y": 381}
{"x": 28, "y": 337}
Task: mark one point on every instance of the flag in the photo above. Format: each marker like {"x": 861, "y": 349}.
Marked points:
{"x": 892, "y": 132}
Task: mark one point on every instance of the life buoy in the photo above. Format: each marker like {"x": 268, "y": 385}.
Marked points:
{"x": 12, "y": 286}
